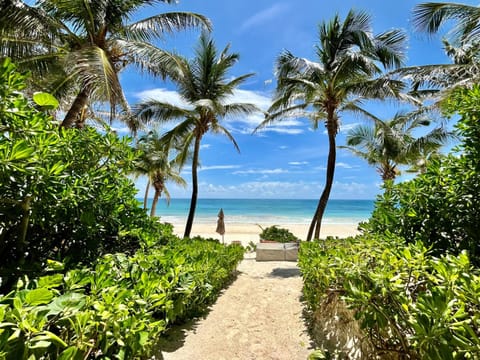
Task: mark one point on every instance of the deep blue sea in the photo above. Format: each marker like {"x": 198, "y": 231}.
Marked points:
{"x": 265, "y": 211}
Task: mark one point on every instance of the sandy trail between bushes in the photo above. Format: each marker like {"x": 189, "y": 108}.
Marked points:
{"x": 259, "y": 316}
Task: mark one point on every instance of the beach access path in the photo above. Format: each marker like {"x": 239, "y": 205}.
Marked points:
{"x": 259, "y": 316}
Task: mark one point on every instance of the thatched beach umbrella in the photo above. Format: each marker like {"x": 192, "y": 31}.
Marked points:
{"x": 220, "y": 224}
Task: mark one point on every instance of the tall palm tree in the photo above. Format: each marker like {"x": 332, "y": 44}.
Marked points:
{"x": 78, "y": 47}
{"x": 388, "y": 144}
{"x": 349, "y": 63}
{"x": 154, "y": 162}
{"x": 204, "y": 85}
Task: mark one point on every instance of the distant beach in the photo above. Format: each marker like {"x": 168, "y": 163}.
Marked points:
{"x": 244, "y": 218}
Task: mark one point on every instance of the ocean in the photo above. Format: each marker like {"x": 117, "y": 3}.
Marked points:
{"x": 265, "y": 211}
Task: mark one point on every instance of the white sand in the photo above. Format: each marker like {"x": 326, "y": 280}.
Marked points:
{"x": 250, "y": 232}
{"x": 258, "y": 317}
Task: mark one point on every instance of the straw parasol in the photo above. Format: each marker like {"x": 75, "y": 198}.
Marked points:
{"x": 220, "y": 224}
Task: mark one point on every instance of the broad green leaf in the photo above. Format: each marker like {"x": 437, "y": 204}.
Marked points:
{"x": 38, "y": 297}
{"x": 40, "y": 344}
{"x": 51, "y": 337}
{"x": 21, "y": 150}
{"x": 69, "y": 353}
{"x": 50, "y": 281}
{"x": 45, "y": 100}
{"x": 68, "y": 302}
{"x": 54, "y": 265}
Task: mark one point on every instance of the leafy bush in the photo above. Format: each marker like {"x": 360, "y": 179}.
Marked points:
{"x": 119, "y": 308}
{"x": 63, "y": 194}
{"x": 274, "y": 233}
{"x": 408, "y": 302}
{"x": 441, "y": 207}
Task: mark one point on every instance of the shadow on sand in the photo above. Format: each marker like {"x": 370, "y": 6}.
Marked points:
{"x": 174, "y": 338}
{"x": 285, "y": 272}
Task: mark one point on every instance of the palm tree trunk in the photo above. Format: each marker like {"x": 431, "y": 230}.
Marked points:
{"x": 154, "y": 202}
{"x": 316, "y": 223}
{"x": 193, "y": 202}
{"x": 76, "y": 109}
{"x": 145, "y": 198}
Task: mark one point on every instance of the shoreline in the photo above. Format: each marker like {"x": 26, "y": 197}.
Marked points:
{"x": 249, "y": 232}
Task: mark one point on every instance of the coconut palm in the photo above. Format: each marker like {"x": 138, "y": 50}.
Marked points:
{"x": 154, "y": 162}
{"x": 76, "y": 48}
{"x": 205, "y": 87}
{"x": 347, "y": 71}
{"x": 462, "y": 45}
{"x": 388, "y": 144}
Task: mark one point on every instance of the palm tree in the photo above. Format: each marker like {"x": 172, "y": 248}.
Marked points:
{"x": 462, "y": 45}
{"x": 347, "y": 72}
{"x": 154, "y": 162}
{"x": 78, "y": 47}
{"x": 205, "y": 87}
{"x": 388, "y": 144}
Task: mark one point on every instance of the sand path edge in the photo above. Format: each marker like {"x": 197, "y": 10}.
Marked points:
{"x": 259, "y": 316}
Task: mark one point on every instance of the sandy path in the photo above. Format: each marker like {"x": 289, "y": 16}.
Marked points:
{"x": 258, "y": 317}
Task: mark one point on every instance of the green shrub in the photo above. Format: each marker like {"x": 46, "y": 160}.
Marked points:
{"x": 407, "y": 301}
{"x": 441, "y": 207}
{"x": 119, "y": 308}
{"x": 63, "y": 194}
{"x": 274, "y": 233}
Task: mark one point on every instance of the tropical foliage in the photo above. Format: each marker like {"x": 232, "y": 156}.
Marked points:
{"x": 64, "y": 195}
{"x": 441, "y": 206}
{"x": 461, "y": 44}
{"x": 274, "y": 233}
{"x": 77, "y": 48}
{"x": 347, "y": 71}
{"x": 409, "y": 304}
{"x": 388, "y": 144}
{"x": 118, "y": 308}
{"x": 154, "y": 162}
{"x": 203, "y": 84}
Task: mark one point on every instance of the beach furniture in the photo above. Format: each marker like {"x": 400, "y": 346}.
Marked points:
{"x": 277, "y": 251}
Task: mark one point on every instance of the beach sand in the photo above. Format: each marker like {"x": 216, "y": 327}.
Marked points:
{"x": 246, "y": 233}
{"x": 260, "y": 315}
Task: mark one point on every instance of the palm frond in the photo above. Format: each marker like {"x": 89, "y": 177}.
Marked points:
{"x": 146, "y": 30}
{"x": 222, "y": 129}
{"x": 154, "y": 111}
{"x": 149, "y": 58}
{"x": 429, "y": 17}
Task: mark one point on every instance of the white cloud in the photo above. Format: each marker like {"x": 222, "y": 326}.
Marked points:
{"x": 273, "y": 190}
{"x": 263, "y": 16}
{"x": 297, "y": 163}
{"x": 218, "y": 167}
{"x": 205, "y": 146}
{"x": 239, "y": 124}
{"x": 253, "y": 97}
{"x": 288, "y": 189}
{"x": 161, "y": 94}
{"x": 281, "y": 130}
{"x": 262, "y": 171}
{"x": 344, "y": 165}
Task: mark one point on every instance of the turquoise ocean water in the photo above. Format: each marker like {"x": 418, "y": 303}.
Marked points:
{"x": 268, "y": 211}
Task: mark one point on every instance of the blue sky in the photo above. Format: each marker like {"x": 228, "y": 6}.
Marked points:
{"x": 286, "y": 160}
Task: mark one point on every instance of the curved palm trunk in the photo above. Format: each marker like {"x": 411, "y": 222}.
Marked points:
{"x": 193, "y": 202}
{"x": 154, "y": 202}
{"x": 145, "y": 198}
{"x": 316, "y": 223}
{"x": 72, "y": 116}
{"x": 158, "y": 185}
